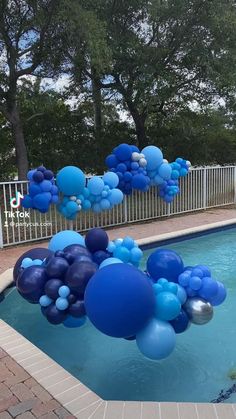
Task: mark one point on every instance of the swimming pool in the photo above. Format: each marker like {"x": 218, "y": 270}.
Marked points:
{"x": 195, "y": 372}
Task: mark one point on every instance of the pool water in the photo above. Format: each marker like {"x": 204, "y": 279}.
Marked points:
{"x": 196, "y": 371}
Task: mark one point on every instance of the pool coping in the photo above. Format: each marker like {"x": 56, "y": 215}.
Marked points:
{"x": 78, "y": 399}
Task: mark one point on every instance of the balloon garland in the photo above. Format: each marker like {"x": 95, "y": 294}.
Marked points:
{"x": 130, "y": 170}
{"x": 78, "y": 278}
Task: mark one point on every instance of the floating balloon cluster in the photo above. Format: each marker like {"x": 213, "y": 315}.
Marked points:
{"x": 42, "y": 190}
{"x": 99, "y": 195}
{"x": 97, "y": 279}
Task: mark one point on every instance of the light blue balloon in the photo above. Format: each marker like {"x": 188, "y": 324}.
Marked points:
{"x": 181, "y": 294}
{"x": 62, "y": 303}
{"x": 86, "y": 204}
{"x": 116, "y": 197}
{"x": 105, "y": 204}
{"x": 136, "y": 254}
{"x": 64, "y": 238}
{"x": 118, "y": 242}
{"x": 128, "y": 242}
{"x": 157, "y": 340}
{"x": 158, "y": 180}
{"x": 171, "y": 287}
{"x": 96, "y": 207}
{"x": 154, "y": 157}
{"x": 95, "y": 185}
{"x": 86, "y": 193}
{"x": 45, "y": 301}
{"x": 111, "y": 247}
{"x": 111, "y": 179}
{"x": 26, "y": 262}
{"x": 165, "y": 171}
{"x": 64, "y": 291}
{"x": 122, "y": 253}
{"x": 110, "y": 261}
{"x": 37, "y": 262}
{"x": 104, "y": 194}
{"x": 157, "y": 288}
{"x": 167, "y": 306}
{"x": 71, "y": 180}
{"x": 71, "y": 207}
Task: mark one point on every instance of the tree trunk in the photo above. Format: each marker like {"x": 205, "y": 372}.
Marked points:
{"x": 139, "y": 121}
{"x": 97, "y": 105}
{"x": 18, "y": 136}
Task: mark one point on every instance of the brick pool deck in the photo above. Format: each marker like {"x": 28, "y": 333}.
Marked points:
{"x": 34, "y": 386}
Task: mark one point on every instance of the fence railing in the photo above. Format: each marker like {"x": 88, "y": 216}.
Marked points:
{"x": 203, "y": 188}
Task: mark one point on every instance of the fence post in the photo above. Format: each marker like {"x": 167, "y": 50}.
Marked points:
{"x": 234, "y": 184}
{"x": 204, "y": 188}
{"x": 1, "y": 230}
{"x": 125, "y": 209}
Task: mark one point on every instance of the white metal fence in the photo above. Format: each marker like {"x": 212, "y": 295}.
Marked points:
{"x": 203, "y": 188}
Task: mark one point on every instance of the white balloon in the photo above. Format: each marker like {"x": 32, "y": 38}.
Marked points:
{"x": 135, "y": 156}
{"x": 165, "y": 161}
{"x": 78, "y": 201}
{"x": 142, "y": 156}
{"x": 188, "y": 163}
{"x": 73, "y": 198}
{"x": 142, "y": 162}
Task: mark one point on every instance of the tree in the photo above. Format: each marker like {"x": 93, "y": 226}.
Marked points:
{"x": 165, "y": 53}
{"x": 25, "y": 28}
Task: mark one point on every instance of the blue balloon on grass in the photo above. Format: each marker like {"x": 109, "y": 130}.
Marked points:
{"x": 181, "y": 322}
{"x": 164, "y": 263}
{"x": 119, "y": 300}
{"x": 64, "y": 238}
{"x": 71, "y": 180}
{"x": 167, "y": 306}
{"x": 73, "y": 322}
{"x": 157, "y": 339}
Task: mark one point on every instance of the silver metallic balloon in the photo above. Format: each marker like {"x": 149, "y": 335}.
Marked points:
{"x": 198, "y": 310}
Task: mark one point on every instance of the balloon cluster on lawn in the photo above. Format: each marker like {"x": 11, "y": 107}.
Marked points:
{"x": 42, "y": 190}
{"x": 140, "y": 170}
{"x": 95, "y": 278}
{"x": 99, "y": 195}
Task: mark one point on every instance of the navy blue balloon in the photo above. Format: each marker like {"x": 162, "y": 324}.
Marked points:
{"x": 119, "y": 300}
{"x": 78, "y": 276}
{"x": 77, "y": 309}
{"x": 37, "y": 253}
{"x": 100, "y": 256}
{"x": 56, "y": 267}
{"x": 75, "y": 250}
{"x": 48, "y": 174}
{"x": 96, "y": 239}
{"x": 38, "y": 176}
{"x": 180, "y": 323}
{"x": 42, "y": 169}
{"x": 72, "y": 298}
{"x": 60, "y": 254}
{"x": 32, "y": 280}
{"x": 164, "y": 263}
{"x": 52, "y": 287}
{"x": 54, "y": 315}
{"x": 32, "y": 297}
{"x": 83, "y": 258}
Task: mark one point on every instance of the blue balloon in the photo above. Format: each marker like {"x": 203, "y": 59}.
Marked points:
{"x": 52, "y": 288}
{"x": 95, "y": 185}
{"x": 116, "y": 197}
{"x": 184, "y": 278}
{"x": 123, "y": 152}
{"x": 34, "y": 189}
{"x": 64, "y": 238}
{"x": 167, "y": 306}
{"x": 105, "y": 204}
{"x": 195, "y": 283}
{"x": 119, "y": 300}
{"x": 26, "y": 262}
{"x": 109, "y": 261}
{"x": 181, "y": 294}
{"x": 154, "y": 157}
{"x": 45, "y": 301}
{"x": 54, "y": 315}
{"x": 136, "y": 254}
{"x": 71, "y": 180}
{"x": 128, "y": 242}
{"x": 62, "y": 303}
{"x": 209, "y": 288}
{"x": 220, "y": 296}
{"x": 164, "y": 263}
{"x": 42, "y": 201}
{"x": 72, "y": 207}
{"x": 64, "y": 291}
{"x": 77, "y": 308}
{"x": 111, "y": 179}
{"x": 32, "y": 282}
{"x": 122, "y": 253}
{"x": 157, "y": 339}
{"x": 111, "y": 247}
{"x": 46, "y": 186}
{"x": 139, "y": 182}
{"x": 72, "y": 322}
{"x": 30, "y": 174}
{"x": 56, "y": 267}
{"x": 111, "y": 161}
{"x": 206, "y": 271}
{"x": 96, "y": 239}
{"x": 86, "y": 204}
{"x": 100, "y": 256}
{"x": 181, "y": 322}
{"x": 165, "y": 170}
{"x": 78, "y": 276}
{"x": 48, "y": 174}
{"x": 27, "y": 202}
{"x": 38, "y": 176}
